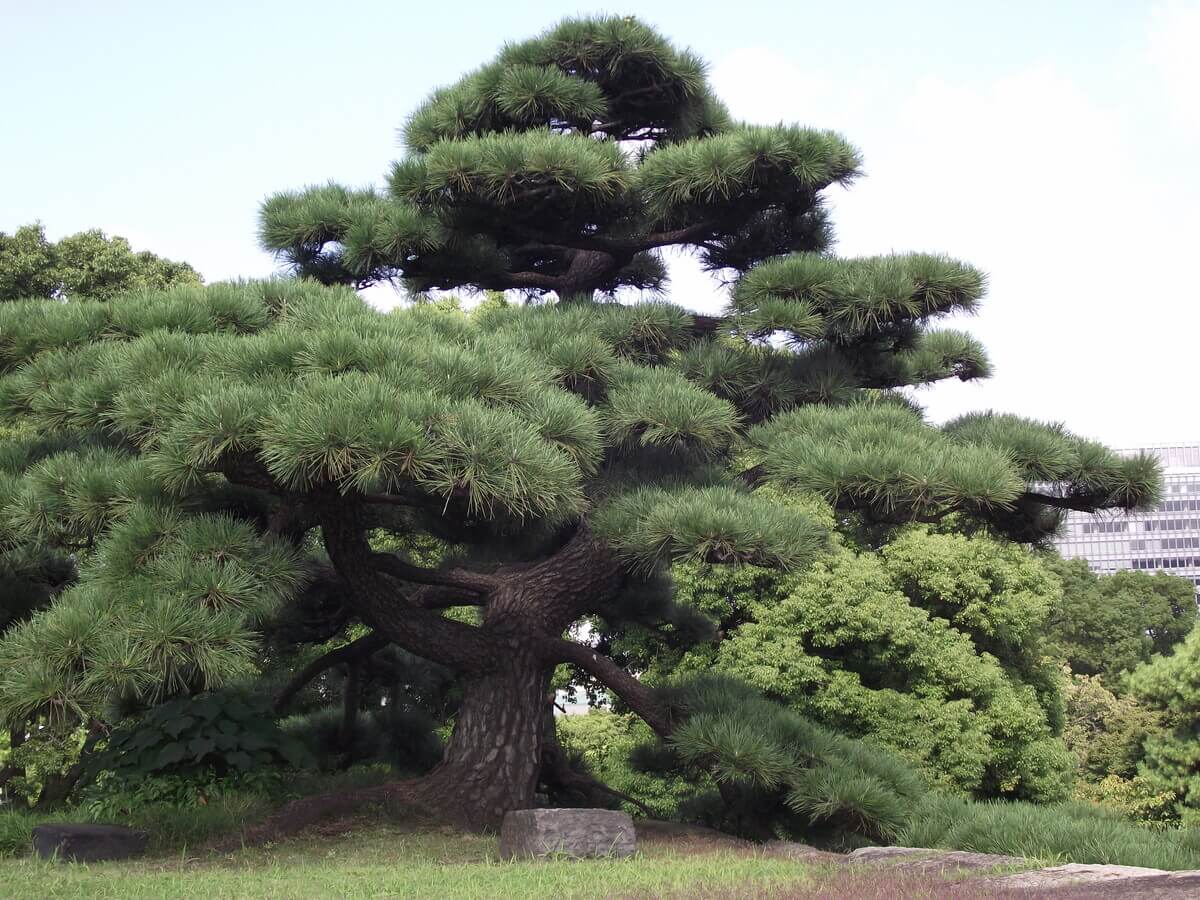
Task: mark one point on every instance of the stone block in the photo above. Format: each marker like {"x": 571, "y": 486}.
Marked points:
{"x": 87, "y": 843}
{"x": 573, "y": 833}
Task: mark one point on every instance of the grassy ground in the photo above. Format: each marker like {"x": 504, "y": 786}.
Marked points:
{"x": 360, "y": 860}
{"x": 393, "y": 853}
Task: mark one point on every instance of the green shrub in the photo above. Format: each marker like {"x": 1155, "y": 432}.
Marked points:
{"x": 175, "y": 820}
{"x": 195, "y": 739}
{"x": 1105, "y": 732}
{"x": 111, "y": 799}
{"x": 780, "y": 774}
{"x": 405, "y": 739}
{"x": 929, "y": 647}
{"x": 1138, "y": 799}
{"x": 171, "y": 827}
{"x": 609, "y": 746}
{"x": 1171, "y": 685}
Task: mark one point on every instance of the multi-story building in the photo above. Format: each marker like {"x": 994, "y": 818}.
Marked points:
{"x": 1165, "y": 539}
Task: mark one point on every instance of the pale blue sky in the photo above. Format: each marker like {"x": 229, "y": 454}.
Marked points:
{"x": 1054, "y": 144}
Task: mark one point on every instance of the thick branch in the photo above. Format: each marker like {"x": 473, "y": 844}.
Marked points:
{"x": 462, "y": 579}
{"x": 1079, "y": 504}
{"x": 424, "y": 632}
{"x": 435, "y": 596}
{"x": 245, "y": 469}
{"x": 354, "y": 651}
{"x": 641, "y": 698}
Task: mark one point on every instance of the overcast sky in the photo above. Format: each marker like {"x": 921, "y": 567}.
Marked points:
{"x": 1054, "y": 144}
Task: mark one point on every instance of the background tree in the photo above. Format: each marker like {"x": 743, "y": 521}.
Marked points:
{"x": 1111, "y": 624}
{"x": 563, "y": 454}
{"x": 930, "y": 646}
{"x": 86, "y": 264}
{"x": 1171, "y": 685}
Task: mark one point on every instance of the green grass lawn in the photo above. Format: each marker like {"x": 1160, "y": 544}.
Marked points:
{"x": 358, "y": 860}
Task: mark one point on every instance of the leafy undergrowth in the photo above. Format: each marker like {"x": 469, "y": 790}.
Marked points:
{"x": 175, "y": 829}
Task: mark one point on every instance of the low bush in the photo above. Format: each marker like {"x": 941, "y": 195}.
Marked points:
{"x": 171, "y": 827}
{"x": 174, "y": 824}
{"x": 606, "y": 745}
{"x": 212, "y": 733}
{"x": 1138, "y": 799}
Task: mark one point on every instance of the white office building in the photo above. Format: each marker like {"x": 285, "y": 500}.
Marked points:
{"x": 1164, "y": 539}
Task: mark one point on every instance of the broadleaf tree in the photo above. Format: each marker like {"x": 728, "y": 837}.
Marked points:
{"x": 563, "y": 451}
{"x": 86, "y": 264}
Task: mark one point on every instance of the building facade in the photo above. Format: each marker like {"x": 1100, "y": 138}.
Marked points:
{"x": 1165, "y": 539}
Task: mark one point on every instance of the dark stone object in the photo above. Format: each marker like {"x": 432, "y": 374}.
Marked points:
{"x": 574, "y": 833}
{"x": 87, "y": 843}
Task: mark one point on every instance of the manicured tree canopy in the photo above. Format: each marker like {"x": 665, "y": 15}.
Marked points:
{"x": 564, "y": 453}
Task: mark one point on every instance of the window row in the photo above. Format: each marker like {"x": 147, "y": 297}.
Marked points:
{"x": 1178, "y": 505}
{"x": 1183, "y": 543}
{"x": 1180, "y": 543}
{"x": 1176, "y": 563}
{"x": 1104, "y": 527}
{"x": 1171, "y": 524}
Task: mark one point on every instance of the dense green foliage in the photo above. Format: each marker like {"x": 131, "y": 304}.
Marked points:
{"x": 1105, "y": 731}
{"x": 86, "y": 264}
{"x": 218, "y": 732}
{"x": 1171, "y": 685}
{"x": 930, "y": 646}
{"x": 243, "y": 471}
{"x": 1110, "y": 624}
{"x": 606, "y": 744}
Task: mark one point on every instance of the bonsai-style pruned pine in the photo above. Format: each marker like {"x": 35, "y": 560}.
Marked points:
{"x": 213, "y": 455}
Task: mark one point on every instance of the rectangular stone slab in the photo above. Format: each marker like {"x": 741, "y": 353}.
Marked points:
{"x": 573, "y": 833}
{"x": 87, "y": 843}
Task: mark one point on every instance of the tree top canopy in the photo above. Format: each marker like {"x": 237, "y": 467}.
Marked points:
{"x": 559, "y": 167}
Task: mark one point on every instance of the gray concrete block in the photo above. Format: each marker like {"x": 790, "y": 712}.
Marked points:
{"x": 574, "y": 833}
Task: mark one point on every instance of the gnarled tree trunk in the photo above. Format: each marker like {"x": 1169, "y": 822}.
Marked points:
{"x": 492, "y": 761}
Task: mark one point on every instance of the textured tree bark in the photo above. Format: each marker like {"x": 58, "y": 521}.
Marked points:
{"x": 492, "y": 761}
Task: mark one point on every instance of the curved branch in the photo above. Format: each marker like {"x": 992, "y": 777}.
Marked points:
{"x": 1078, "y": 504}
{"x": 462, "y": 579}
{"x": 435, "y": 596}
{"x": 381, "y": 604}
{"x": 639, "y": 697}
{"x": 354, "y": 651}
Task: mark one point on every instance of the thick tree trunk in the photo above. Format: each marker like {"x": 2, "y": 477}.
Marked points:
{"x": 492, "y": 761}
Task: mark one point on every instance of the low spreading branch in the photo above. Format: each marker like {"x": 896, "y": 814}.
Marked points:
{"x": 475, "y": 583}
{"x": 355, "y": 651}
{"x": 640, "y": 698}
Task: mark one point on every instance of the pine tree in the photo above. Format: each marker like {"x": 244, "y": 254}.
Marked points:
{"x": 198, "y": 444}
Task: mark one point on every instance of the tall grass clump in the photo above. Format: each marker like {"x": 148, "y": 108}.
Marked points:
{"x": 1068, "y": 832}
